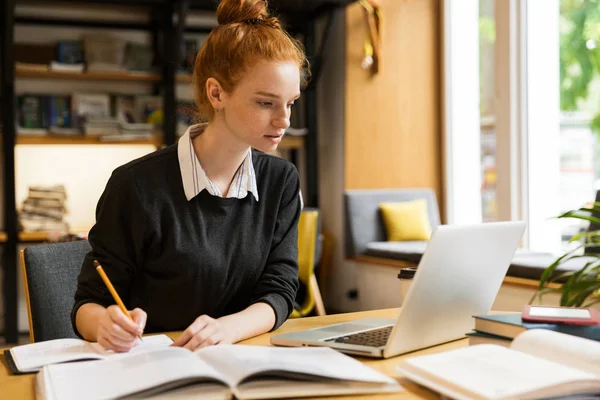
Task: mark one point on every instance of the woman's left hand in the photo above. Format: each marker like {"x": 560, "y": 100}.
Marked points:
{"x": 204, "y": 331}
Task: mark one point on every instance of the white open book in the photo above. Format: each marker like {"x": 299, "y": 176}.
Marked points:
{"x": 32, "y": 357}
{"x": 538, "y": 364}
{"x": 217, "y": 372}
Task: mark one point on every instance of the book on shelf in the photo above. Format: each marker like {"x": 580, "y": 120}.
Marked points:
{"x": 56, "y": 192}
{"x": 224, "y": 371}
{"x": 123, "y": 108}
{"x": 187, "y": 115}
{"x": 44, "y": 210}
{"x": 136, "y": 127}
{"x": 60, "y": 111}
{"x": 149, "y": 109}
{"x": 47, "y": 203}
{"x": 54, "y": 213}
{"x": 70, "y": 68}
{"x": 138, "y": 57}
{"x": 296, "y": 131}
{"x": 101, "y": 67}
{"x": 69, "y": 52}
{"x": 36, "y": 114}
{"x": 104, "y": 52}
{"x": 95, "y": 126}
{"x": 126, "y": 137}
{"x": 31, "y": 131}
{"x": 60, "y": 131}
{"x": 36, "y": 223}
{"x": 86, "y": 105}
{"x": 32, "y": 111}
{"x": 539, "y": 364}
{"x": 510, "y": 325}
{"x": 32, "y": 357}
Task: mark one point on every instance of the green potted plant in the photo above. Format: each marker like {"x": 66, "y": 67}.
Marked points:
{"x": 580, "y": 287}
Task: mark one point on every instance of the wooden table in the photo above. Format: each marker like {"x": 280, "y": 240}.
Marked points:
{"x": 22, "y": 386}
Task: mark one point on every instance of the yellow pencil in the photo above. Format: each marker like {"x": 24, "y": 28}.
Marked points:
{"x": 112, "y": 291}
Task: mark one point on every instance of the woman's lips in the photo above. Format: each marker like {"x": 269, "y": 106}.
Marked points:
{"x": 274, "y": 138}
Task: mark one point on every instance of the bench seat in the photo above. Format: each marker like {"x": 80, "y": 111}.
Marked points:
{"x": 527, "y": 265}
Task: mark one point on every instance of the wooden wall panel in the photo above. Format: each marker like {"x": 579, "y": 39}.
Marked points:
{"x": 393, "y": 119}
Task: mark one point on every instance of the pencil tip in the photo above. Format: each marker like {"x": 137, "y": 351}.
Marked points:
{"x": 96, "y": 263}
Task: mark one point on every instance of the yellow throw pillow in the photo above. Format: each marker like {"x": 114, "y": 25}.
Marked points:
{"x": 407, "y": 220}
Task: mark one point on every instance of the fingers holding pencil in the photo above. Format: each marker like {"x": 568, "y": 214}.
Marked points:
{"x": 121, "y": 320}
{"x": 116, "y": 331}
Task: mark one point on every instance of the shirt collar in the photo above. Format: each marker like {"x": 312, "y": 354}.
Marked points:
{"x": 194, "y": 178}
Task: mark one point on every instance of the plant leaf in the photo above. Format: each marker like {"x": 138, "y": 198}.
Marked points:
{"x": 583, "y": 293}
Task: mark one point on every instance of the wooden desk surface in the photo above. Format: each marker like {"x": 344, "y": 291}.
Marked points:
{"x": 22, "y": 386}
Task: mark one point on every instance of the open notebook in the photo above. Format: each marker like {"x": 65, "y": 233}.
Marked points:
{"x": 32, "y": 357}
{"x": 538, "y": 364}
{"x": 217, "y": 372}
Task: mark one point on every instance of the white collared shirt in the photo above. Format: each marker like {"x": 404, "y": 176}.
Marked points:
{"x": 195, "y": 180}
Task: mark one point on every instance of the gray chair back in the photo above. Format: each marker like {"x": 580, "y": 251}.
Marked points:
{"x": 50, "y": 275}
{"x": 363, "y": 220}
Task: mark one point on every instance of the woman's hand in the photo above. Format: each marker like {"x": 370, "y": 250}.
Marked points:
{"x": 205, "y": 331}
{"x": 117, "y": 332}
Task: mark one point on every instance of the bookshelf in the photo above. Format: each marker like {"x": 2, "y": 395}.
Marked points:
{"x": 28, "y": 237}
{"x": 156, "y": 141}
{"x": 288, "y": 142}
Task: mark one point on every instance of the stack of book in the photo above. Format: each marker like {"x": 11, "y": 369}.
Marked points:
{"x": 96, "y": 126}
{"x": 44, "y": 209}
{"x": 501, "y": 329}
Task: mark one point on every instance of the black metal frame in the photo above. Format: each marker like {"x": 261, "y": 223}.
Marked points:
{"x": 9, "y": 253}
{"x": 165, "y": 38}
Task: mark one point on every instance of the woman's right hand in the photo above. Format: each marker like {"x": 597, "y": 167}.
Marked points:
{"x": 117, "y": 332}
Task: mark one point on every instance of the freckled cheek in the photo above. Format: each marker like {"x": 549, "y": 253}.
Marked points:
{"x": 256, "y": 121}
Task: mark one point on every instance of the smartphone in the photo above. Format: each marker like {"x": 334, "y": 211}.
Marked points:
{"x": 561, "y": 315}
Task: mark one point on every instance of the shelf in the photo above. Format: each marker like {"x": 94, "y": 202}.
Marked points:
{"x": 21, "y": 72}
{"x": 288, "y": 142}
{"x": 291, "y": 143}
{"x": 27, "y": 237}
{"x": 25, "y": 72}
{"x": 184, "y": 78}
{"x": 68, "y": 140}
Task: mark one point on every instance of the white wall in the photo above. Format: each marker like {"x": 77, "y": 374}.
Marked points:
{"x": 84, "y": 170}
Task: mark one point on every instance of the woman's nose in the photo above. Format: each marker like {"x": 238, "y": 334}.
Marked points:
{"x": 282, "y": 122}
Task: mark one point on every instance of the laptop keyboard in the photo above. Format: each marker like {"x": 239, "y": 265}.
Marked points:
{"x": 373, "y": 338}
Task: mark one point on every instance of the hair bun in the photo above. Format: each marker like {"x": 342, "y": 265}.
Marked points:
{"x": 232, "y": 11}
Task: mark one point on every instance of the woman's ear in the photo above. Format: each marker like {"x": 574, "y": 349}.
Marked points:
{"x": 215, "y": 93}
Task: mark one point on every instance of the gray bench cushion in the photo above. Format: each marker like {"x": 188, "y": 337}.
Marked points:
{"x": 530, "y": 265}
{"x": 363, "y": 220}
{"x": 410, "y": 251}
{"x": 527, "y": 265}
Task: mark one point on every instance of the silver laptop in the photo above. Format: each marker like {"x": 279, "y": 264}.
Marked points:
{"x": 458, "y": 276}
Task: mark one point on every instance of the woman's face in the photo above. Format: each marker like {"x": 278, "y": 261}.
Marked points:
{"x": 258, "y": 110}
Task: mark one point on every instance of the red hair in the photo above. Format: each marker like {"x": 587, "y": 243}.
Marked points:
{"x": 246, "y": 34}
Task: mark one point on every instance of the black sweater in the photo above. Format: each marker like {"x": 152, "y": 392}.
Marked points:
{"x": 178, "y": 259}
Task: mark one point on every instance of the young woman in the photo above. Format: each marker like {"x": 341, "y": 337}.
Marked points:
{"x": 202, "y": 235}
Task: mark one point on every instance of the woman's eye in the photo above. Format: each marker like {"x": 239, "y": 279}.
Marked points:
{"x": 265, "y": 103}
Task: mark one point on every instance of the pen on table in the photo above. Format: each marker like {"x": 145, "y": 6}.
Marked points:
{"x": 112, "y": 291}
